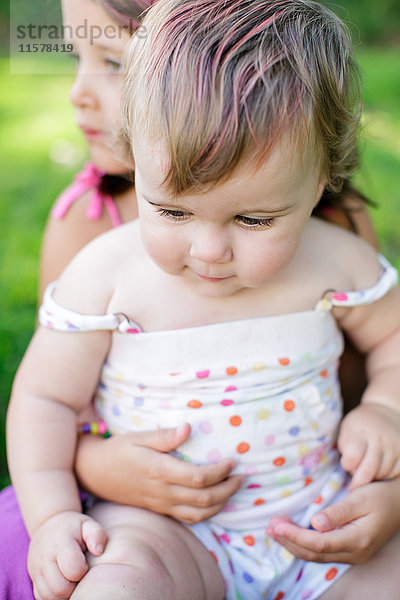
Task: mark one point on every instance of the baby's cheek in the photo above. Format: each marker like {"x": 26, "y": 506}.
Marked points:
{"x": 267, "y": 261}
{"x": 166, "y": 251}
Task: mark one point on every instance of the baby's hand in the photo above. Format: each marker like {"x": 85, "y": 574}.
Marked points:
{"x": 369, "y": 441}
{"x": 56, "y": 559}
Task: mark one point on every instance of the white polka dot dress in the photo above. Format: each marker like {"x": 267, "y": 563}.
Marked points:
{"x": 264, "y": 391}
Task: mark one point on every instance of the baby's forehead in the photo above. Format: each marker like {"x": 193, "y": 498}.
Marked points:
{"x": 151, "y": 156}
{"x": 293, "y": 158}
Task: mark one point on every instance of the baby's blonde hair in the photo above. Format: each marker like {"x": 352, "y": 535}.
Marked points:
{"x": 217, "y": 81}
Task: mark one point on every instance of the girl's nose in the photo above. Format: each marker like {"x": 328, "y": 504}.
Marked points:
{"x": 83, "y": 93}
{"x": 211, "y": 246}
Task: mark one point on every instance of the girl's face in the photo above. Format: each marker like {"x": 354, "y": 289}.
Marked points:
{"x": 240, "y": 234}
{"x": 98, "y": 45}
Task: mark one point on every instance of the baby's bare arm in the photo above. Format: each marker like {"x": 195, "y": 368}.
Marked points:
{"x": 369, "y": 435}
{"x": 55, "y": 380}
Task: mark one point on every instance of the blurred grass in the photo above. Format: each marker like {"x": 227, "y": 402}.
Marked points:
{"x": 35, "y": 115}
{"x": 379, "y": 175}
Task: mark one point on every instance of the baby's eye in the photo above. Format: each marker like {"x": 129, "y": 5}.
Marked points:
{"x": 254, "y": 222}
{"x": 173, "y": 215}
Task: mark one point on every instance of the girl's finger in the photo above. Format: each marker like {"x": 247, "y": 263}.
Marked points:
{"x": 191, "y": 514}
{"x": 339, "y": 514}
{"x": 316, "y": 555}
{"x": 326, "y": 543}
{"x": 163, "y": 440}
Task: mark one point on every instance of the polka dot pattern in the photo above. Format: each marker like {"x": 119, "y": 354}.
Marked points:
{"x": 195, "y": 404}
{"x": 231, "y": 370}
{"x": 242, "y": 447}
{"x": 249, "y": 540}
{"x": 331, "y": 574}
{"x": 289, "y": 405}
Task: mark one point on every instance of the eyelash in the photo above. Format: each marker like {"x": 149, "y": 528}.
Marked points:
{"x": 114, "y": 65}
{"x": 174, "y": 215}
{"x": 242, "y": 221}
{"x": 253, "y": 223}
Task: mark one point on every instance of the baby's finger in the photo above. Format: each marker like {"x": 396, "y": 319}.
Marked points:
{"x": 368, "y": 469}
{"x": 59, "y": 586}
{"x": 41, "y": 590}
{"x": 390, "y": 465}
{"x": 94, "y": 535}
{"x": 71, "y": 562}
{"x": 352, "y": 454}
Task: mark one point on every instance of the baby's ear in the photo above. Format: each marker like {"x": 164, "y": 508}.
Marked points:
{"x": 121, "y": 147}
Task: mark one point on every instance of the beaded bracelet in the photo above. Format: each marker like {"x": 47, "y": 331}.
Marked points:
{"x": 94, "y": 428}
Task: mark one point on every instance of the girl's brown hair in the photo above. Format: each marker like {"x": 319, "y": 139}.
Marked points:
{"x": 127, "y": 13}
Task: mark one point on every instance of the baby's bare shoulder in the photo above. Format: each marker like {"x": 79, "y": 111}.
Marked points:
{"x": 347, "y": 258}
{"x": 90, "y": 280}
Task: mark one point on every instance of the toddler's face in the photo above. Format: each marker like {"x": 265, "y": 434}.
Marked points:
{"x": 98, "y": 45}
{"x": 239, "y": 234}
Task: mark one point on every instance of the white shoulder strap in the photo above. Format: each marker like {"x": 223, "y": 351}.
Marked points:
{"x": 54, "y": 316}
{"x": 388, "y": 278}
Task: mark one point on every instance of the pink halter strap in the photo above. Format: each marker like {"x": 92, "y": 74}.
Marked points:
{"x": 89, "y": 178}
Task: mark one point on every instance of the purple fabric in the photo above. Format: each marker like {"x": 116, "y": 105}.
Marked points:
{"x": 15, "y": 583}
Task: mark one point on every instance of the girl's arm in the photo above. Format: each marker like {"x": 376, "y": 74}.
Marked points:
{"x": 136, "y": 469}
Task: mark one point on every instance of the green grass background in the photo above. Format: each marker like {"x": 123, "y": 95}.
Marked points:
{"x": 35, "y": 115}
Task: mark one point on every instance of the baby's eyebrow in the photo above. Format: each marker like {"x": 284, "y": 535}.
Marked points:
{"x": 160, "y": 202}
{"x": 267, "y": 211}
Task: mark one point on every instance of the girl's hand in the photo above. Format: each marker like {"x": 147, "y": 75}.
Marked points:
{"x": 350, "y": 531}
{"x": 135, "y": 469}
{"x": 369, "y": 442}
{"x": 56, "y": 559}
